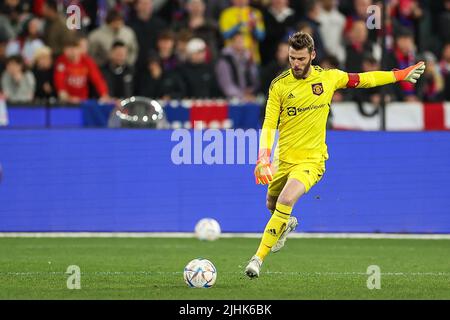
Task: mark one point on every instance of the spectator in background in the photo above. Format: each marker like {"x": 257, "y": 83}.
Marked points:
{"x": 74, "y": 71}
{"x": 404, "y": 55}
{"x": 55, "y": 29}
{"x": 3, "y": 44}
{"x": 201, "y": 27}
{"x": 182, "y": 39}
{"x": 118, "y": 73}
{"x": 6, "y": 30}
{"x": 329, "y": 62}
{"x": 146, "y": 27}
{"x": 371, "y": 95}
{"x": 275, "y": 67}
{"x": 444, "y": 67}
{"x": 43, "y": 73}
{"x": 248, "y": 21}
{"x": 358, "y": 12}
{"x": 236, "y": 71}
{"x": 444, "y": 22}
{"x": 279, "y": 21}
{"x": 165, "y": 46}
{"x": 214, "y": 8}
{"x": 332, "y": 24}
{"x": 406, "y": 14}
{"x": 16, "y": 11}
{"x": 358, "y": 46}
{"x": 28, "y": 41}
{"x": 197, "y": 74}
{"x": 18, "y": 84}
{"x": 102, "y": 38}
{"x": 154, "y": 82}
{"x": 313, "y": 10}
{"x": 431, "y": 86}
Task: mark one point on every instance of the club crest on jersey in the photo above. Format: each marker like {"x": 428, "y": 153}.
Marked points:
{"x": 317, "y": 88}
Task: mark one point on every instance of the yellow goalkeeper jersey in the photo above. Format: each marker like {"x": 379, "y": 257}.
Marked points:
{"x": 299, "y": 109}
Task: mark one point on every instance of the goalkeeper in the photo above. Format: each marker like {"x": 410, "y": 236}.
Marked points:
{"x": 298, "y": 106}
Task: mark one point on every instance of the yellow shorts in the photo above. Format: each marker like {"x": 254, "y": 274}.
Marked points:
{"x": 308, "y": 172}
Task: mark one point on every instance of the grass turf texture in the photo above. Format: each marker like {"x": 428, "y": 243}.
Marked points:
{"x": 151, "y": 268}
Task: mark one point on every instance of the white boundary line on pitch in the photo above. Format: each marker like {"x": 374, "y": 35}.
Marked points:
{"x": 151, "y": 273}
{"x": 223, "y": 235}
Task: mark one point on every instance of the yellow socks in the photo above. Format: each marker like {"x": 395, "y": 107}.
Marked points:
{"x": 274, "y": 229}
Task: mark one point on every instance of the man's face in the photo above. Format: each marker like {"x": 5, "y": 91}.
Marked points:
{"x": 238, "y": 43}
{"x": 165, "y": 45}
{"x": 72, "y": 52}
{"x": 240, "y": 3}
{"x": 196, "y": 7}
{"x": 327, "y": 4}
{"x": 13, "y": 68}
{"x": 119, "y": 56}
{"x": 144, "y": 7}
{"x": 198, "y": 57}
{"x": 358, "y": 32}
{"x": 446, "y": 53}
{"x": 283, "y": 53}
{"x": 300, "y": 62}
{"x": 116, "y": 25}
{"x": 405, "y": 44}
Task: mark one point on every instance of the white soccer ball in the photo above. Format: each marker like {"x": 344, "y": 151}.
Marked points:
{"x": 207, "y": 229}
{"x": 200, "y": 273}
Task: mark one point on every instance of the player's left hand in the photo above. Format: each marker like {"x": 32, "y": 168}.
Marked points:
{"x": 410, "y": 74}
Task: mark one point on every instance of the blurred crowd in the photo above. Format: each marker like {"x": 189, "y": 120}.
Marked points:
{"x": 72, "y": 50}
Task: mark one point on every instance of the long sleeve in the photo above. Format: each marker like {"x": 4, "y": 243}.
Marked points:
{"x": 59, "y": 76}
{"x": 362, "y": 80}
{"x": 96, "y": 77}
{"x": 375, "y": 79}
{"x": 268, "y": 131}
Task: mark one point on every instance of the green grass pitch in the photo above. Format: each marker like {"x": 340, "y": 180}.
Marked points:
{"x": 151, "y": 268}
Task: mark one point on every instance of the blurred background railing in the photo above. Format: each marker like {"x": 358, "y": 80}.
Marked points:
{"x": 400, "y": 116}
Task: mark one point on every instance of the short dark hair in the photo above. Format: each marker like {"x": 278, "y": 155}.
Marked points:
{"x": 153, "y": 57}
{"x": 301, "y": 40}
{"x": 404, "y": 32}
{"x": 166, "y": 34}
{"x": 17, "y": 58}
{"x": 118, "y": 43}
{"x": 71, "y": 40}
{"x": 113, "y": 15}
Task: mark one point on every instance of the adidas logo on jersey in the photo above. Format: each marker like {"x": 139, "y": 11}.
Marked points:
{"x": 273, "y": 232}
{"x": 290, "y": 96}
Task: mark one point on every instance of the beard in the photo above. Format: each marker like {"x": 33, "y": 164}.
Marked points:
{"x": 302, "y": 74}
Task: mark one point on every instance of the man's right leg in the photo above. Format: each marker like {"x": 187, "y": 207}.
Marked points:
{"x": 253, "y": 267}
{"x": 277, "y": 224}
{"x": 292, "y": 223}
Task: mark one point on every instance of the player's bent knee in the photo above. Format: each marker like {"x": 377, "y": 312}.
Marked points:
{"x": 287, "y": 201}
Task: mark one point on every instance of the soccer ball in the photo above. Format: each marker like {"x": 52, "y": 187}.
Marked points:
{"x": 200, "y": 273}
{"x": 207, "y": 229}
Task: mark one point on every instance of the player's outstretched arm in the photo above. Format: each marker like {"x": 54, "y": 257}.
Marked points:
{"x": 379, "y": 78}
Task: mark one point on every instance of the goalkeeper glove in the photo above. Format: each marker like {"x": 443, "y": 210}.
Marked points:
{"x": 410, "y": 74}
{"x": 263, "y": 169}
